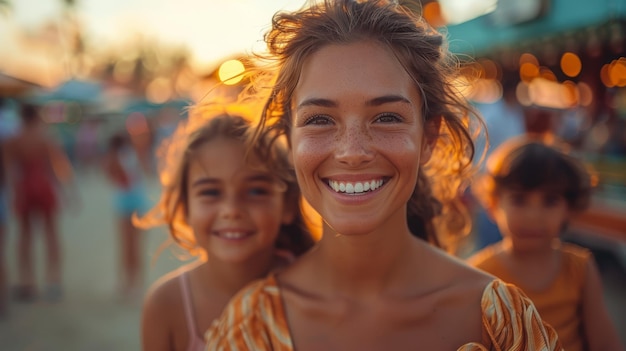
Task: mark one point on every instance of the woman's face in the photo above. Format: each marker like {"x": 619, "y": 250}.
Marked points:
{"x": 357, "y": 136}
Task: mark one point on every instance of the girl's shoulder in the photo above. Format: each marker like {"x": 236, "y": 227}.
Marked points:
{"x": 165, "y": 291}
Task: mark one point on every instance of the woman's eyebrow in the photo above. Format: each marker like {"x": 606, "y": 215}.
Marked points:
{"x": 317, "y": 102}
{"x": 387, "y": 99}
{"x": 377, "y": 101}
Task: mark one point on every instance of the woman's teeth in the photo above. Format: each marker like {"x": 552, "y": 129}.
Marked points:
{"x": 356, "y": 187}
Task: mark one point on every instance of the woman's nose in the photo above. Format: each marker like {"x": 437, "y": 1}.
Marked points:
{"x": 354, "y": 146}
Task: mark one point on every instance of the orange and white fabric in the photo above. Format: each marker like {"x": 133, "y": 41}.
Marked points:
{"x": 256, "y": 320}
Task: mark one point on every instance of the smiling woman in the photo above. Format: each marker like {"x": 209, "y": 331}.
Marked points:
{"x": 380, "y": 142}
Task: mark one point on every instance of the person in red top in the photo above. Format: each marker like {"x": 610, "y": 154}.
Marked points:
{"x": 36, "y": 164}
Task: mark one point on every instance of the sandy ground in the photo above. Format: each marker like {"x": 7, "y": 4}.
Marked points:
{"x": 91, "y": 315}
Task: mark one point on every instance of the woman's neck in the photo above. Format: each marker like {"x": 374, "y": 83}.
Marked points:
{"x": 363, "y": 265}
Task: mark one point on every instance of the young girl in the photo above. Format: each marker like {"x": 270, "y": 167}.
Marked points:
{"x": 380, "y": 144}
{"x": 124, "y": 171}
{"x": 531, "y": 190}
{"x": 240, "y": 215}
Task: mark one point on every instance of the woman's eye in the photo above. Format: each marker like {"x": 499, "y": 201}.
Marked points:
{"x": 318, "y": 120}
{"x": 388, "y": 118}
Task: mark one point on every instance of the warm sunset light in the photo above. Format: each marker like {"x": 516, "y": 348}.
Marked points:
{"x": 231, "y": 72}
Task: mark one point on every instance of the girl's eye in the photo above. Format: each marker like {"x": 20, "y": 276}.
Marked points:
{"x": 209, "y": 192}
{"x": 388, "y": 118}
{"x": 318, "y": 120}
{"x": 259, "y": 191}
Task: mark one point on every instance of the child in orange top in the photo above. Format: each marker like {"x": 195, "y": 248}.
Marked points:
{"x": 241, "y": 216}
{"x": 531, "y": 189}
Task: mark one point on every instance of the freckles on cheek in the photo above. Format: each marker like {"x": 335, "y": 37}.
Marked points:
{"x": 398, "y": 142}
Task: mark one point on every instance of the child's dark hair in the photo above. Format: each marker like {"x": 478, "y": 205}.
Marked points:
{"x": 528, "y": 164}
{"x": 175, "y": 155}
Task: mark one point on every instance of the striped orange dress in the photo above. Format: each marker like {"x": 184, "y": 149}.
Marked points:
{"x": 255, "y": 320}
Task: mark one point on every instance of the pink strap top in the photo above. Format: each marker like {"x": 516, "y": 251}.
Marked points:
{"x": 196, "y": 343}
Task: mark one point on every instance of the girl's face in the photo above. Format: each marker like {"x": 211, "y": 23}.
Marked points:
{"x": 530, "y": 219}
{"x": 357, "y": 136}
{"x": 235, "y": 210}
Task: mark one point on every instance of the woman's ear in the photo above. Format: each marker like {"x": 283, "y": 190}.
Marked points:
{"x": 431, "y": 134}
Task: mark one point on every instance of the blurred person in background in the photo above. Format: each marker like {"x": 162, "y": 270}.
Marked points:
{"x": 36, "y": 164}
{"x": 239, "y": 216}
{"x": 7, "y": 128}
{"x": 87, "y": 147}
{"x": 504, "y": 120}
{"x": 124, "y": 171}
{"x": 531, "y": 188}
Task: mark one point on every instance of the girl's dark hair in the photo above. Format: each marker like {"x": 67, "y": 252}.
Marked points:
{"x": 175, "y": 156}
{"x": 528, "y": 164}
{"x": 435, "y": 212}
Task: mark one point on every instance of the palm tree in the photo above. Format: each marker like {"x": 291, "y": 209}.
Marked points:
{"x": 5, "y": 7}
{"x": 75, "y": 40}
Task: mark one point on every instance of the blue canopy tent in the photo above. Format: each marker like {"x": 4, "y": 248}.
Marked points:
{"x": 483, "y": 34}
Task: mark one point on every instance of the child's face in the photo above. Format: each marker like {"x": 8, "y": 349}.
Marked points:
{"x": 530, "y": 219}
{"x": 234, "y": 210}
{"x": 357, "y": 136}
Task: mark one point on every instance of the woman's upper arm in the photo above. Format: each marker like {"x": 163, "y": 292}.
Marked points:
{"x": 599, "y": 329}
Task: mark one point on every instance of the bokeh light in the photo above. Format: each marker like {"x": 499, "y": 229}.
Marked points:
{"x": 231, "y": 72}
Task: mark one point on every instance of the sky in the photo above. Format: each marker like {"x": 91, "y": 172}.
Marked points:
{"x": 211, "y": 29}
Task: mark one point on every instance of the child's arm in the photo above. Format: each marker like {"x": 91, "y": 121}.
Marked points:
{"x": 599, "y": 330}
{"x": 156, "y": 335}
